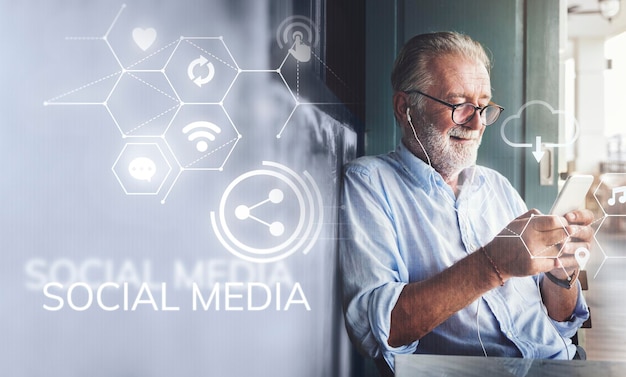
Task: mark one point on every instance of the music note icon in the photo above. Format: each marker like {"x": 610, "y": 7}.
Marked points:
{"x": 618, "y": 190}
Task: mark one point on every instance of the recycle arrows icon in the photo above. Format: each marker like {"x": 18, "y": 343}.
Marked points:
{"x": 200, "y": 62}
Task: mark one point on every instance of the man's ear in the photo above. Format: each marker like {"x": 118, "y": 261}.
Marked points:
{"x": 400, "y": 104}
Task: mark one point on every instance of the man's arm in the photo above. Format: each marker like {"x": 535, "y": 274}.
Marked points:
{"x": 559, "y": 301}
{"x": 527, "y": 246}
{"x": 440, "y": 297}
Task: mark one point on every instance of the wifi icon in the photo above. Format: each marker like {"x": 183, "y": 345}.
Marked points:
{"x": 201, "y": 131}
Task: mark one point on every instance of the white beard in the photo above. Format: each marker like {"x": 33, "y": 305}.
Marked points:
{"x": 447, "y": 157}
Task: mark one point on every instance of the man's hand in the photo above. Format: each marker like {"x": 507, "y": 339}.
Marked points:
{"x": 535, "y": 243}
{"x": 580, "y": 236}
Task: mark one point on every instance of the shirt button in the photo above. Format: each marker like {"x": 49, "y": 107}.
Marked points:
{"x": 509, "y": 335}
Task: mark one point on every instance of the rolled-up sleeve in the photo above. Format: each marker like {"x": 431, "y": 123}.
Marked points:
{"x": 372, "y": 269}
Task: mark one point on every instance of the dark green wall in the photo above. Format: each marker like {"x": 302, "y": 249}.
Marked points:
{"x": 381, "y": 32}
{"x": 542, "y": 83}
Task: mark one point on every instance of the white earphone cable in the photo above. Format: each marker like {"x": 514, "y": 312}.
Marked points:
{"x": 408, "y": 118}
{"x": 478, "y": 328}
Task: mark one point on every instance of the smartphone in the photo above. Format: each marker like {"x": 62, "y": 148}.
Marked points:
{"x": 573, "y": 194}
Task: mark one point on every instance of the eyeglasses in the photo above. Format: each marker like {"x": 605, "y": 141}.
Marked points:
{"x": 464, "y": 112}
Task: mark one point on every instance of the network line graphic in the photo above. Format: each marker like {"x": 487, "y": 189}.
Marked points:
{"x": 173, "y": 94}
{"x": 169, "y": 100}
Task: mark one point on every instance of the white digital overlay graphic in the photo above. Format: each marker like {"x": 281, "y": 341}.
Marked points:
{"x": 619, "y": 193}
{"x": 299, "y": 34}
{"x": 110, "y": 285}
{"x": 201, "y": 79}
{"x": 556, "y": 250}
{"x": 582, "y": 257}
{"x": 144, "y": 38}
{"x": 539, "y": 144}
{"x": 201, "y": 132}
{"x": 174, "y": 92}
{"x": 610, "y": 196}
{"x": 268, "y": 214}
{"x": 141, "y": 168}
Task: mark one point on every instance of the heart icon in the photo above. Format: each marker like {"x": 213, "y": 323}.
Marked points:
{"x": 144, "y": 38}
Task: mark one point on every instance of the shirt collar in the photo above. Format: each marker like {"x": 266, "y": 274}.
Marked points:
{"x": 423, "y": 174}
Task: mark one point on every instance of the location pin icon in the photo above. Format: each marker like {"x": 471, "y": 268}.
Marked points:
{"x": 582, "y": 256}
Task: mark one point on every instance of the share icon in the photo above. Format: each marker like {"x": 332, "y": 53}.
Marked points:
{"x": 243, "y": 212}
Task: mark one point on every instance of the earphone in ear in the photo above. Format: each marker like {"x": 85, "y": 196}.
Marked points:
{"x": 408, "y": 114}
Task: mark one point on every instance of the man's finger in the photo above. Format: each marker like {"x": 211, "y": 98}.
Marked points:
{"x": 548, "y": 223}
{"x": 580, "y": 233}
{"x": 580, "y": 217}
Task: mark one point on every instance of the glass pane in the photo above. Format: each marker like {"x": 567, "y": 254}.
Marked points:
{"x": 463, "y": 113}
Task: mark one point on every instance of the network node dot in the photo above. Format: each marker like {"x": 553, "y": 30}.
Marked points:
{"x": 276, "y": 196}
{"x": 242, "y": 212}
{"x": 277, "y": 228}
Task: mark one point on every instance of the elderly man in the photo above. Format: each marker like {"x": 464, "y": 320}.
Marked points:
{"x": 439, "y": 255}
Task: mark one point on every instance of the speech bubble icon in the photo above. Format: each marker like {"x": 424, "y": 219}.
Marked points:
{"x": 142, "y": 169}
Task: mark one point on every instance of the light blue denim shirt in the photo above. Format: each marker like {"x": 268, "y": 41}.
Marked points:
{"x": 400, "y": 223}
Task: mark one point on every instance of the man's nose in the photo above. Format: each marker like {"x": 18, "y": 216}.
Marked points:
{"x": 477, "y": 121}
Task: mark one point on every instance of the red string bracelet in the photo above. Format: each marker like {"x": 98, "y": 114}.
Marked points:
{"x": 493, "y": 265}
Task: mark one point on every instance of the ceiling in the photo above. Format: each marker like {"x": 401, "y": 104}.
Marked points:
{"x": 582, "y": 23}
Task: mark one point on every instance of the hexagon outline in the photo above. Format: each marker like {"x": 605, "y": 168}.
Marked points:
{"x": 606, "y": 257}
{"x": 234, "y": 61}
{"x": 595, "y": 196}
{"x": 602, "y": 220}
{"x": 234, "y": 141}
{"x": 169, "y": 170}
{"x": 564, "y": 241}
{"x": 296, "y": 104}
{"x": 175, "y": 108}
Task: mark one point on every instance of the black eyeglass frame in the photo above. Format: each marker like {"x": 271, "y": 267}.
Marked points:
{"x": 454, "y": 107}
